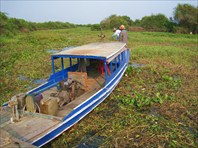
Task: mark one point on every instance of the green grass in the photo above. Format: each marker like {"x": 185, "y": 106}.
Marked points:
{"x": 153, "y": 106}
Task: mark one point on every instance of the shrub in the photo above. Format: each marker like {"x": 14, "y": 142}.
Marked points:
{"x": 115, "y": 21}
{"x": 181, "y": 30}
{"x": 155, "y": 22}
{"x": 95, "y": 27}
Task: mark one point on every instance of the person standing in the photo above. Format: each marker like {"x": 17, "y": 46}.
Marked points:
{"x": 116, "y": 33}
{"x": 123, "y": 37}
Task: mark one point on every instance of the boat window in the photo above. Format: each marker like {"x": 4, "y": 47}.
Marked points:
{"x": 82, "y": 65}
{"x": 63, "y": 63}
{"x": 108, "y": 70}
{"x": 113, "y": 65}
{"x": 119, "y": 58}
{"x": 57, "y": 65}
{"x": 66, "y": 62}
{"x": 122, "y": 56}
{"x": 125, "y": 53}
{"x": 94, "y": 67}
{"x": 118, "y": 62}
{"x": 74, "y": 61}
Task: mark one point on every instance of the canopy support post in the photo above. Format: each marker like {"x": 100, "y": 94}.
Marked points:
{"x": 62, "y": 63}
{"x": 70, "y": 61}
{"x": 53, "y": 70}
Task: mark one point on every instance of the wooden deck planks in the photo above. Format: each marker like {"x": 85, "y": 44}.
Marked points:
{"x": 4, "y": 117}
{"x": 30, "y": 127}
{"x": 8, "y": 141}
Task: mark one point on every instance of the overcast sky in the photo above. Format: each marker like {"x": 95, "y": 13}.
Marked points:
{"x": 87, "y": 12}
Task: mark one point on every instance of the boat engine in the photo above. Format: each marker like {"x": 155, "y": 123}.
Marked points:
{"x": 69, "y": 90}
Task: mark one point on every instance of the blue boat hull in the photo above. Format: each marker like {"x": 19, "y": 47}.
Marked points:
{"x": 113, "y": 67}
{"x": 83, "y": 109}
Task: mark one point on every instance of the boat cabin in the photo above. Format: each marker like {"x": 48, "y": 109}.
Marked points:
{"x": 79, "y": 72}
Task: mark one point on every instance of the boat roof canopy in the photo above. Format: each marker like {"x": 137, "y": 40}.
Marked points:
{"x": 106, "y": 51}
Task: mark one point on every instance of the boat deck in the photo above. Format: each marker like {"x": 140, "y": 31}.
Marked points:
{"x": 33, "y": 125}
{"x": 8, "y": 141}
{"x": 28, "y": 128}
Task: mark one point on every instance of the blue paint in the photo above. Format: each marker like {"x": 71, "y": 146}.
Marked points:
{"x": 77, "y": 56}
{"x": 53, "y": 69}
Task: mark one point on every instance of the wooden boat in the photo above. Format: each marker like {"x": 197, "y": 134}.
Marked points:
{"x": 43, "y": 113}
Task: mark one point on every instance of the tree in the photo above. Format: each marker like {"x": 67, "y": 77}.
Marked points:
{"x": 3, "y": 23}
{"x": 187, "y": 16}
{"x": 171, "y": 26}
{"x": 115, "y": 21}
{"x": 155, "y": 22}
{"x": 128, "y": 20}
{"x": 137, "y": 22}
{"x": 95, "y": 27}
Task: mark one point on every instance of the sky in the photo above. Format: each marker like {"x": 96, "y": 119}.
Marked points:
{"x": 87, "y": 12}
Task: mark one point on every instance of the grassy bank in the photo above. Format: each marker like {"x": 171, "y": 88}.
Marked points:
{"x": 154, "y": 105}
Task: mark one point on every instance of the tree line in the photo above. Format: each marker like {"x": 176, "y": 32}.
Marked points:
{"x": 10, "y": 26}
{"x": 185, "y": 20}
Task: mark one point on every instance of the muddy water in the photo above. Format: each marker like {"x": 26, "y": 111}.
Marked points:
{"x": 34, "y": 81}
{"x": 136, "y": 65}
{"x": 92, "y": 140}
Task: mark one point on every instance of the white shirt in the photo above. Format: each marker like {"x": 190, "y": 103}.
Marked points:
{"x": 116, "y": 33}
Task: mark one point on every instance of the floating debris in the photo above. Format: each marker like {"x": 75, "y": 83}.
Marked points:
{"x": 53, "y": 51}
{"x": 34, "y": 81}
{"x": 39, "y": 81}
{"x": 91, "y": 140}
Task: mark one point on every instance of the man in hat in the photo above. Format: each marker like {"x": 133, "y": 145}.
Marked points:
{"x": 116, "y": 33}
{"x": 123, "y": 34}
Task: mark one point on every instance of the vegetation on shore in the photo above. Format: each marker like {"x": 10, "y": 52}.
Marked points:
{"x": 154, "y": 105}
{"x": 183, "y": 21}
